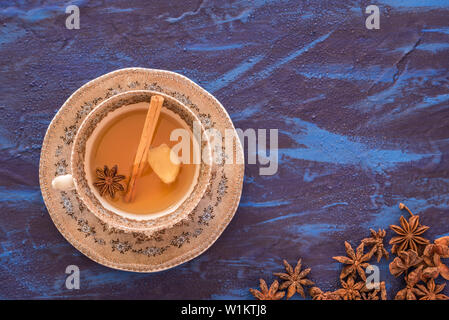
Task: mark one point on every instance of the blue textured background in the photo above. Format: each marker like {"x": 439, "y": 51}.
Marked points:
{"x": 363, "y": 118}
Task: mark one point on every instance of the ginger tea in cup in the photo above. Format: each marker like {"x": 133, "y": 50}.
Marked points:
{"x": 116, "y": 143}
{"x": 174, "y": 171}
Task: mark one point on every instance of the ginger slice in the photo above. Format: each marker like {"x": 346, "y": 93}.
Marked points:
{"x": 164, "y": 162}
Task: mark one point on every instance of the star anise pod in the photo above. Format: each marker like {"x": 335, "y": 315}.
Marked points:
{"x": 444, "y": 243}
{"x": 268, "y": 294}
{"x": 432, "y": 257}
{"x": 294, "y": 279}
{"x": 383, "y": 291}
{"x": 108, "y": 182}
{"x": 409, "y": 292}
{"x": 432, "y": 291}
{"x": 370, "y": 295}
{"x": 373, "y": 294}
{"x": 404, "y": 261}
{"x": 356, "y": 261}
{"x": 409, "y": 233}
{"x": 351, "y": 289}
{"x": 318, "y": 294}
{"x": 377, "y": 242}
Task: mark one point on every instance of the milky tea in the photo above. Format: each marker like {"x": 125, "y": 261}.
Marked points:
{"x": 116, "y": 144}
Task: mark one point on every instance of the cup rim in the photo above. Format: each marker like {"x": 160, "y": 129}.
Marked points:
{"x": 114, "y": 219}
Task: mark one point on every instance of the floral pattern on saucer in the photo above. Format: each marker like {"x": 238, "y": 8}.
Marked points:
{"x": 135, "y": 251}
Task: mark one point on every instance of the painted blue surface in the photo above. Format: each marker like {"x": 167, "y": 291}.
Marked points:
{"x": 362, "y": 118}
{"x": 322, "y": 146}
{"x": 444, "y": 30}
{"x": 233, "y": 74}
{"x": 416, "y": 3}
{"x": 266, "y": 72}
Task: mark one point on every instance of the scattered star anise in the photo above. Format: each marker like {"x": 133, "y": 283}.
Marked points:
{"x": 268, "y": 294}
{"x": 373, "y": 294}
{"x": 409, "y": 292}
{"x": 444, "y": 243}
{"x": 318, "y": 294}
{"x": 351, "y": 289}
{"x": 377, "y": 242}
{"x": 370, "y": 295}
{"x": 294, "y": 279}
{"x": 404, "y": 261}
{"x": 411, "y": 250}
{"x": 356, "y": 261}
{"x": 432, "y": 291}
{"x": 432, "y": 257}
{"x": 409, "y": 233}
{"x": 108, "y": 182}
{"x": 383, "y": 291}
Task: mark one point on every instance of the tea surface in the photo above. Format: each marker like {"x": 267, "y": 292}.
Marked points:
{"x": 116, "y": 144}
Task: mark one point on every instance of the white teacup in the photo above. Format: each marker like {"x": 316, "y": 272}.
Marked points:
{"x": 81, "y": 178}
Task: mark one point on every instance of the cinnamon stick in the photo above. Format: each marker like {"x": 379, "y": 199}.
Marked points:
{"x": 144, "y": 144}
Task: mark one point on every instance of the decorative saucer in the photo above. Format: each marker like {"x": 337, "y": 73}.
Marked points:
{"x": 138, "y": 252}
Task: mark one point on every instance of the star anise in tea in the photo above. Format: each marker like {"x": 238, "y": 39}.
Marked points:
{"x": 431, "y": 291}
{"x": 108, "y": 182}
{"x": 350, "y": 289}
{"x": 295, "y": 279}
{"x": 268, "y": 294}
{"x": 356, "y": 261}
{"x": 377, "y": 242}
{"x": 404, "y": 261}
{"x": 409, "y": 233}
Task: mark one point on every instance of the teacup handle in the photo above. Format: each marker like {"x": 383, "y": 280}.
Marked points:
{"x": 63, "y": 183}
